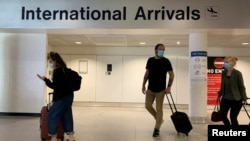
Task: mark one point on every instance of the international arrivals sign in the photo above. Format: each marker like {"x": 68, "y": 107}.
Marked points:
{"x": 117, "y": 14}
{"x": 89, "y": 13}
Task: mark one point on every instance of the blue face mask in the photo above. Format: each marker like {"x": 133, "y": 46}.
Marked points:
{"x": 52, "y": 66}
{"x": 226, "y": 65}
{"x": 160, "y": 53}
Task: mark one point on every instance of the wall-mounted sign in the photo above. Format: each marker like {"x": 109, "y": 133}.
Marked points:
{"x": 214, "y": 70}
{"x": 124, "y": 14}
{"x": 83, "y": 66}
{"x": 198, "y": 68}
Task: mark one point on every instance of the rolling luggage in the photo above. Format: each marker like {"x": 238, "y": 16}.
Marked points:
{"x": 180, "y": 120}
{"x": 44, "y": 125}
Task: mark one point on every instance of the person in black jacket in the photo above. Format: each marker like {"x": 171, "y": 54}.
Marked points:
{"x": 232, "y": 92}
{"x": 157, "y": 68}
{"x": 61, "y": 109}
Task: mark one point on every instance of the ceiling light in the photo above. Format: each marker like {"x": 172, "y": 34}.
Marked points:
{"x": 142, "y": 43}
{"x": 245, "y": 44}
{"x": 178, "y": 42}
{"x": 78, "y": 43}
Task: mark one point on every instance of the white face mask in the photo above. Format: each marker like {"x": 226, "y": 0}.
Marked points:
{"x": 52, "y": 66}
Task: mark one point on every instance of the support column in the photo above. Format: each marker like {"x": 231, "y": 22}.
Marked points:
{"x": 22, "y": 56}
{"x": 198, "y": 77}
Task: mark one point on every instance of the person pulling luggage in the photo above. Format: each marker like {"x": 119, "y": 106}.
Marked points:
{"x": 157, "y": 68}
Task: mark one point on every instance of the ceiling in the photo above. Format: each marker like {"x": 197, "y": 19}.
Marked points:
{"x": 225, "y": 38}
{"x": 133, "y": 37}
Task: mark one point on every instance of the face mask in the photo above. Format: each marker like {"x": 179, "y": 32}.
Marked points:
{"x": 226, "y": 65}
{"x": 160, "y": 53}
{"x": 52, "y": 66}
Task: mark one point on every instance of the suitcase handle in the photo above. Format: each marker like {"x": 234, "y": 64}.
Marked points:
{"x": 49, "y": 103}
{"x": 172, "y": 102}
{"x": 246, "y": 111}
{"x": 50, "y": 93}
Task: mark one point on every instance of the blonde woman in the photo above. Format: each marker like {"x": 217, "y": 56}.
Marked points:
{"x": 232, "y": 91}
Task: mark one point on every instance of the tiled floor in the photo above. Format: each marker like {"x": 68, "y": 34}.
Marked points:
{"x": 104, "y": 123}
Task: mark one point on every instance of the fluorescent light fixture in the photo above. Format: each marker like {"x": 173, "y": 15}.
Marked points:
{"x": 245, "y": 44}
{"x": 78, "y": 43}
{"x": 142, "y": 43}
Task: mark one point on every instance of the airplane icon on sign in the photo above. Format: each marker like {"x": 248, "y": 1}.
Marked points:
{"x": 211, "y": 10}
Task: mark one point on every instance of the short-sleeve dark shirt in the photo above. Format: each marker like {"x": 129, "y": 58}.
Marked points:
{"x": 158, "y": 69}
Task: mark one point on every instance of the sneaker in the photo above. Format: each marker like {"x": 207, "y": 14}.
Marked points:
{"x": 156, "y": 132}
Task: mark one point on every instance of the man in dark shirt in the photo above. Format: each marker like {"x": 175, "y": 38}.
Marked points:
{"x": 157, "y": 68}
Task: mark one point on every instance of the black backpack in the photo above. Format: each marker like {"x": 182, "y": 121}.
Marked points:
{"x": 74, "y": 80}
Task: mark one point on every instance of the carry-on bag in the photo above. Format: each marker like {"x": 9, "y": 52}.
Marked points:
{"x": 215, "y": 116}
{"x": 44, "y": 125}
{"x": 180, "y": 120}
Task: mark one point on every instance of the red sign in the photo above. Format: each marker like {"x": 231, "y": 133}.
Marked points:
{"x": 215, "y": 68}
{"x": 213, "y": 86}
{"x": 218, "y": 63}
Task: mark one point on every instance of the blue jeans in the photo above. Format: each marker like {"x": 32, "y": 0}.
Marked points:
{"x": 61, "y": 110}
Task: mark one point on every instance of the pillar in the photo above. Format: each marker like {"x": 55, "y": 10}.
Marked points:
{"x": 198, "y": 77}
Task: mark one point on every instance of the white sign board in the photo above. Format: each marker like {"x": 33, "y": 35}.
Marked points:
{"x": 140, "y": 14}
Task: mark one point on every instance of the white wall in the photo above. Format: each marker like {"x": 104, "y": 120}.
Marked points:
{"x": 22, "y": 56}
{"x": 124, "y": 83}
{"x": 243, "y": 64}
{"x": 133, "y": 73}
{"x": 88, "y": 87}
{"x": 109, "y": 87}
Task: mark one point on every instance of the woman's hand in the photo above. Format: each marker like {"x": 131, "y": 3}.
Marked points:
{"x": 41, "y": 77}
{"x": 245, "y": 102}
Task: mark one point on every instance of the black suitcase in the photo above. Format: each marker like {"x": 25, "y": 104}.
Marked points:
{"x": 180, "y": 120}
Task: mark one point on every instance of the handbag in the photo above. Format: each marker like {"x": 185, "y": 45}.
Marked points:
{"x": 215, "y": 116}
